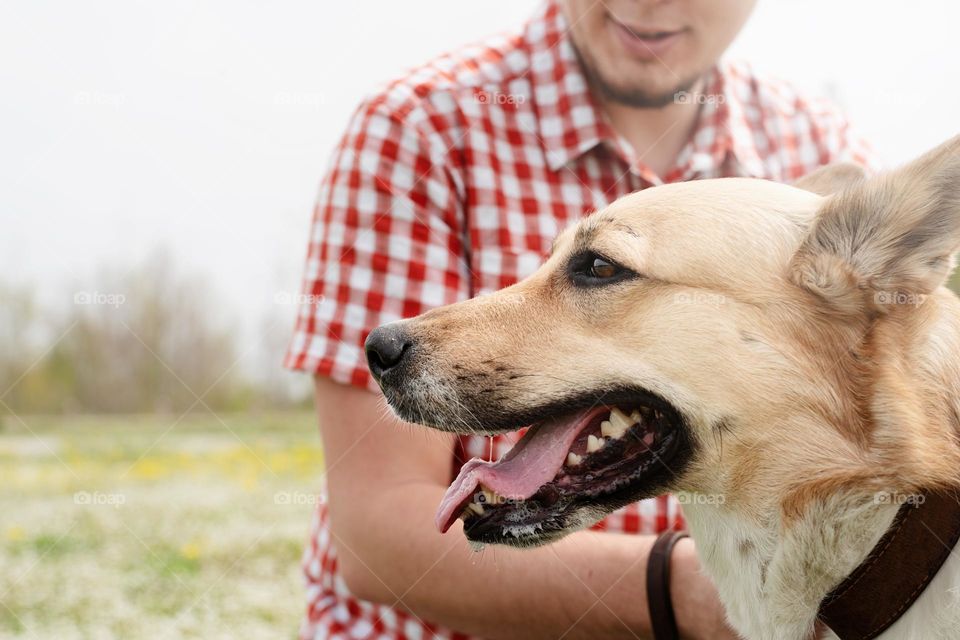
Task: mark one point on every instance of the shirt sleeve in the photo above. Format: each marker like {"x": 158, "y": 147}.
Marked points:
{"x": 385, "y": 243}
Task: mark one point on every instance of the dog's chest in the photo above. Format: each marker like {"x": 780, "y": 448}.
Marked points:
{"x": 737, "y": 557}
{"x": 757, "y": 580}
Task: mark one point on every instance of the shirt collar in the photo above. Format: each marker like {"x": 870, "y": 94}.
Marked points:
{"x": 570, "y": 122}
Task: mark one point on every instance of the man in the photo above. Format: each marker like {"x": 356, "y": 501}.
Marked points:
{"x": 452, "y": 182}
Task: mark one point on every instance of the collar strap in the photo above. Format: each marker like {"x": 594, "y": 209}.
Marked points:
{"x": 898, "y": 568}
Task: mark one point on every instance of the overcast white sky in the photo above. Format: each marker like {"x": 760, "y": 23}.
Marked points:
{"x": 126, "y": 124}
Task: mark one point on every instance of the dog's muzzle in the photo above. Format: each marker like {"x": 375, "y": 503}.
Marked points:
{"x": 586, "y": 453}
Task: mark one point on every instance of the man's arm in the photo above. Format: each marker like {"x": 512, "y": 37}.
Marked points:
{"x": 385, "y": 480}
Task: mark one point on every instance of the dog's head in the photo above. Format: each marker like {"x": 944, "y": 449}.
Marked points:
{"x": 720, "y": 337}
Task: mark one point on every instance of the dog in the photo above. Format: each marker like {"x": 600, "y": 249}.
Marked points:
{"x": 783, "y": 358}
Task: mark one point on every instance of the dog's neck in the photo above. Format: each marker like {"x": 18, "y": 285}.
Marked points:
{"x": 771, "y": 578}
{"x": 773, "y": 583}
{"x": 774, "y": 569}
{"x": 898, "y": 569}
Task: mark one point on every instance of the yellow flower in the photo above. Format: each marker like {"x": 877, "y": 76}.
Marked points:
{"x": 149, "y": 468}
{"x": 191, "y": 550}
{"x": 16, "y": 533}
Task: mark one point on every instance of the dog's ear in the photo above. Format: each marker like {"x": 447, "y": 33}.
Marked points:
{"x": 831, "y": 178}
{"x": 888, "y": 239}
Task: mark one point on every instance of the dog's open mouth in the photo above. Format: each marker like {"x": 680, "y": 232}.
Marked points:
{"x": 566, "y": 471}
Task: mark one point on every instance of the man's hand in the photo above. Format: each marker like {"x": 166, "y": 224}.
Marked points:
{"x": 385, "y": 479}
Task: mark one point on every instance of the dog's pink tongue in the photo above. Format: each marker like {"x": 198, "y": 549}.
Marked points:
{"x": 533, "y": 462}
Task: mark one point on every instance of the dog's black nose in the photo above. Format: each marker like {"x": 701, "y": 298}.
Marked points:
{"x": 385, "y": 347}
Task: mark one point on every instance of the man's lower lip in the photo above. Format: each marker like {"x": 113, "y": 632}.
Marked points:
{"x": 644, "y": 48}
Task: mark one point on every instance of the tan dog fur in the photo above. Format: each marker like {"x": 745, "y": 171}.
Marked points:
{"x": 807, "y": 337}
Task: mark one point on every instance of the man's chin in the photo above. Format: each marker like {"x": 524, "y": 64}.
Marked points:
{"x": 652, "y": 86}
{"x": 655, "y": 94}
{"x": 637, "y": 98}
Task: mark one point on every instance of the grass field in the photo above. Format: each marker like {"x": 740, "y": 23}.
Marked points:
{"x": 123, "y": 527}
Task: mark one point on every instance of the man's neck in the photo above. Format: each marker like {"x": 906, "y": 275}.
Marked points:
{"x": 657, "y": 135}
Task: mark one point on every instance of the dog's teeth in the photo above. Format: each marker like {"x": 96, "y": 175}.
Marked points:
{"x": 573, "y": 459}
{"x": 607, "y": 430}
{"x": 610, "y": 429}
{"x": 594, "y": 443}
{"x": 489, "y": 497}
{"x": 636, "y": 417}
{"x": 620, "y": 421}
{"x": 476, "y": 508}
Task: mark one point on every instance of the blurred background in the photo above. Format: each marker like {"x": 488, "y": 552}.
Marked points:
{"x": 158, "y": 164}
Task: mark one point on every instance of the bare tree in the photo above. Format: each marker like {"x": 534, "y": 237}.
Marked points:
{"x": 148, "y": 339}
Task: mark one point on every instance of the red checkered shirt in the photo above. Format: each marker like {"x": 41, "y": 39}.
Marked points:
{"x": 453, "y": 180}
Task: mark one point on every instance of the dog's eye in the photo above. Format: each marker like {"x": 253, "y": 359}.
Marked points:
{"x": 590, "y": 269}
{"x": 602, "y": 269}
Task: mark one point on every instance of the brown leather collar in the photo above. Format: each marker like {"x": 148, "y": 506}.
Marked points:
{"x": 898, "y": 569}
